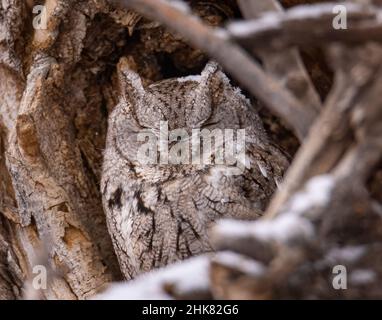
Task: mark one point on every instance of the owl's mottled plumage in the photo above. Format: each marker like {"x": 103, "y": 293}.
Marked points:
{"x": 158, "y": 214}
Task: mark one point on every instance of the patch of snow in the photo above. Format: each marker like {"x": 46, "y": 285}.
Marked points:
{"x": 362, "y": 276}
{"x": 231, "y": 228}
{"x": 346, "y": 254}
{"x": 290, "y": 225}
{"x": 240, "y": 262}
{"x": 284, "y": 228}
{"x": 316, "y": 193}
{"x": 272, "y": 20}
{"x": 188, "y": 276}
{"x": 266, "y": 22}
{"x": 179, "y": 5}
{"x": 196, "y": 78}
{"x": 221, "y": 33}
{"x": 308, "y": 12}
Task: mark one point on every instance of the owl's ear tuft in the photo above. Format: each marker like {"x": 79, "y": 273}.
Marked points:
{"x": 211, "y": 72}
{"x": 203, "y": 95}
{"x": 130, "y": 82}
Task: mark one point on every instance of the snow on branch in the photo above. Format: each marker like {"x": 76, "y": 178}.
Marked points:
{"x": 292, "y": 225}
{"x": 189, "y": 279}
{"x": 233, "y": 58}
{"x": 309, "y": 24}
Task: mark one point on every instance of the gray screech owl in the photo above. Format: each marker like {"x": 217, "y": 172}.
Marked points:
{"x": 160, "y": 213}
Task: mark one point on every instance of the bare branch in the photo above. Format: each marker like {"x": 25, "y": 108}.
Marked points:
{"x": 333, "y": 132}
{"x": 308, "y": 25}
{"x": 286, "y": 65}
